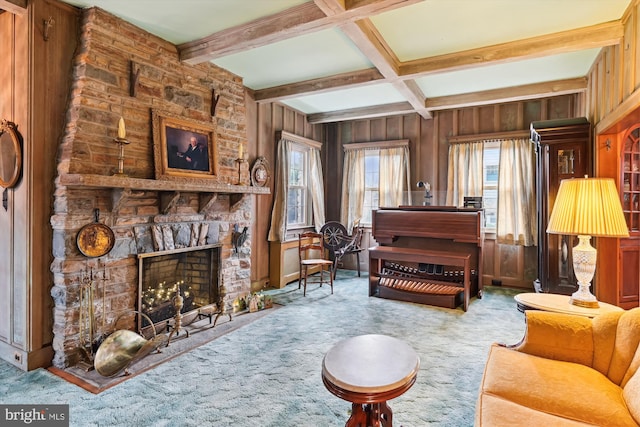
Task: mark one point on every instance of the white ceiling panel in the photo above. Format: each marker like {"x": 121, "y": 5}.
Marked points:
{"x": 311, "y": 56}
{"x": 366, "y": 96}
{"x": 181, "y": 21}
{"x": 549, "y": 68}
{"x": 437, "y": 27}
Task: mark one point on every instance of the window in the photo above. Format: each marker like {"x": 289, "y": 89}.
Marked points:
{"x": 298, "y": 208}
{"x": 299, "y": 187}
{"x": 491, "y": 161}
{"x": 375, "y": 175}
{"x": 371, "y": 184}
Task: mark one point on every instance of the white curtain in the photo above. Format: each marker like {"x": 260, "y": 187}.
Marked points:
{"x": 352, "y": 187}
{"x": 278, "y": 230}
{"x": 393, "y": 180}
{"x": 517, "y": 215}
{"x": 317, "y": 187}
{"x": 465, "y": 173}
{"x": 394, "y": 176}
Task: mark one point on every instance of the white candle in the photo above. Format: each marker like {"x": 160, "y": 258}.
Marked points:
{"x": 122, "y": 133}
{"x": 240, "y": 151}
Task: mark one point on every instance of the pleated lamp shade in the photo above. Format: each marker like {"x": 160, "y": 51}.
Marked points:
{"x": 588, "y": 207}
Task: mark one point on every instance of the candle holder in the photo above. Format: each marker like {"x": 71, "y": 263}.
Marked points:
{"x": 239, "y": 161}
{"x": 121, "y": 142}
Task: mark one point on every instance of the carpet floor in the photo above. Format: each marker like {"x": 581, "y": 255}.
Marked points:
{"x": 267, "y": 373}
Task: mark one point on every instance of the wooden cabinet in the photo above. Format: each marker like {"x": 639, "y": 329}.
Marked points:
{"x": 34, "y": 89}
{"x": 563, "y": 152}
{"x": 618, "y": 270}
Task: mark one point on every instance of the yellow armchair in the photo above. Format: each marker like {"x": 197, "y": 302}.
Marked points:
{"x": 567, "y": 371}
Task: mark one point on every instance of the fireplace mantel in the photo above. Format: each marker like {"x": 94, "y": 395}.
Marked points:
{"x": 123, "y": 186}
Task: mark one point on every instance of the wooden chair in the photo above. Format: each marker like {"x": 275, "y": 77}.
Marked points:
{"x": 312, "y": 254}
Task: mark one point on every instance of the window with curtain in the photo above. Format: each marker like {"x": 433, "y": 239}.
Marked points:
{"x": 375, "y": 174}
{"x": 503, "y": 173}
{"x": 298, "y": 208}
{"x": 299, "y": 186}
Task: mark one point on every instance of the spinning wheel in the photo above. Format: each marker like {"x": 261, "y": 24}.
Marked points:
{"x": 335, "y": 236}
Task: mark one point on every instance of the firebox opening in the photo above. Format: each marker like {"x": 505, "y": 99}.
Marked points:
{"x": 193, "y": 272}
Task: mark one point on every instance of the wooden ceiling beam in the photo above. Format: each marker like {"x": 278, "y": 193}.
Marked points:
{"x": 508, "y": 94}
{"x": 293, "y": 22}
{"x": 18, "y": 7}
{"x": 361, "y": 113}
{"x": 607, "y": 34}
{"x": 414, "y": 95}
{"x": 314, "y": 86}
{"x": 369, "y": 41}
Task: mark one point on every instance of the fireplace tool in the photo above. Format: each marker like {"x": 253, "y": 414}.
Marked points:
{"x": 90, "y": 340}
{"x": 178, "y": 303}
{"x": 222, "y": 306}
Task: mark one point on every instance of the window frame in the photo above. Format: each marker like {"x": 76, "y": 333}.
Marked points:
{"x": 490, "y": 186}
{"x": 307, "y": 208}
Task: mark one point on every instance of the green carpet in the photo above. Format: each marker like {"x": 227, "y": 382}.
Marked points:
{"x": 267, "y": 373}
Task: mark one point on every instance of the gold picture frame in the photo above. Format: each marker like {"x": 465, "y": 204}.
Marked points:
{"x": 183, "y": 149}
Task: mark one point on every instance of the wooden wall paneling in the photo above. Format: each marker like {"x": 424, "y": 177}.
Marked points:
{"x": 629, "y": 42}
{"x": 466, "y": 121}
{"x": 508, "y": 116}
{"x": 378, "y": 129}
{"x": 531, "y": 112}
{"x": 634, "y": 56}
{"x": 7, "y": 89}
{"x": 417, "y": 167}
{"x": 560, "y": 107}
{"x": 487, "y": 115}
{"x": 394, "y": 127}
{"x": 441, "y": 134}
{"x": 615, "y": 90}
{"x": 21, "y": 232}
{"x": 52, "y": 67}
{"x": 604, "y": 85}
{"x": 271, "y": 118}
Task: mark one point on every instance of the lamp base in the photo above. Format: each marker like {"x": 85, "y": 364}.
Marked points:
{"x": 585, "y": 304}
{"x": 583, "y": 297}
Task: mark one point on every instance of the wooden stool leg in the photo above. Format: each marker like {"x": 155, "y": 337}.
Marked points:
{"x": 358, "y": 416}
{"x": 380, "y": 415}
{"x": 386, "y": 415}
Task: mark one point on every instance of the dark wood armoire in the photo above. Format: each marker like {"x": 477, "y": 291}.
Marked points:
{"x": 563, "y": 151}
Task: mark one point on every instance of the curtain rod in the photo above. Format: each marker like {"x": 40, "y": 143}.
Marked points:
{"x": 376, "y": 144}
{"x": 297, "y": 138}
{"x": 487, "y": 136}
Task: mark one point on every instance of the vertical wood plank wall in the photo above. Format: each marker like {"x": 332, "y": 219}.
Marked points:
{"x": 263, "y": 121}
{"x": 614, "y": 78}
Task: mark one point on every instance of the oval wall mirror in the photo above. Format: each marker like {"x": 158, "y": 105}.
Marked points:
{"x": 10, "y": 154}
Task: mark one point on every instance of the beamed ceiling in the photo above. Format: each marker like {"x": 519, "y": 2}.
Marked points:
{"x": 346, "y": 59}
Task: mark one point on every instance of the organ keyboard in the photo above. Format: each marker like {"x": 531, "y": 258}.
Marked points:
{"x": 427, "y": 254}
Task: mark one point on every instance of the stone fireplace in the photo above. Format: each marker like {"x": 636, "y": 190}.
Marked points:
{"x": 148, "y": 215}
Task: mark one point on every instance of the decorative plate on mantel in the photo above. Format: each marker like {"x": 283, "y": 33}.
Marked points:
{"x": 260, "y": 172}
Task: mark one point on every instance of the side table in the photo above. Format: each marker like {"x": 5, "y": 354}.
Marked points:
{"x": 559, "y": 304}
{"x": 369, "y": 370}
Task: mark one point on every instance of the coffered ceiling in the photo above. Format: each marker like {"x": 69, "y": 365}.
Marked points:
{"x": 345, "y": 59}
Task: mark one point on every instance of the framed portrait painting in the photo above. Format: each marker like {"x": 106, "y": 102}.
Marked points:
{"x": 183, "y": 148}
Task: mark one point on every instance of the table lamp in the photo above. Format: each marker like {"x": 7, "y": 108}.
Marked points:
{"x": 586, "y": 207}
